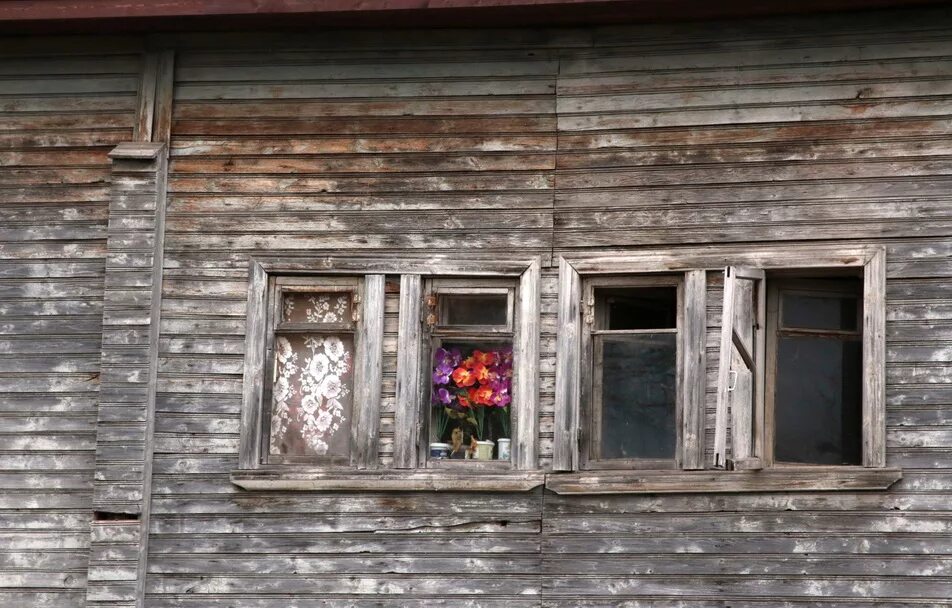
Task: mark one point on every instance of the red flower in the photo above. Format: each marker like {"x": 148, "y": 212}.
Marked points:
{"x": 483, "y": 395}
{"x": 463, "y": 399}
{"x": 469, "y": 362}
{"x": 482, "y": 373}
{"x": 484, "y": 358}
{"x": 463, "y": 377}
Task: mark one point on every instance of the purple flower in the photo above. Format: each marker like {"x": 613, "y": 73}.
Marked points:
{"x": 441, "y": 375}
{"x": 444, "y": 396}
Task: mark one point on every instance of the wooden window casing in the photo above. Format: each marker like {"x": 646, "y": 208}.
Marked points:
{"x": 757, "y": 414}
{"x": 697, "y": 474}
{"x": 264, "y": 323}
{"x": 408, "y": 472}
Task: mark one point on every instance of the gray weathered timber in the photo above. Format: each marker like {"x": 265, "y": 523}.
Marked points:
{"x": 410, "y": 376}
{"x": 124, "y": 430}
{"x": 816, "y": 142}
{"x": 71, "y": 112}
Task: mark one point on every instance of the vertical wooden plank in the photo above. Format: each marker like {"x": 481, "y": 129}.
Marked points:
{"x": 759, "y": 422}
{"x": 527, "y": 369}
{"x": 142, "y": 130}
{"x": 741, "y": 419}
{"x": 694, "y": 372}
{"x": 164, "y": 83}
{"x": 407, "y": 417}
{"x": 249, "y": 456}
{"x": 723, "y": 370}
{"x": 369, "y": 372}
{"x": 874, "y": 360}
{"x": 565, "y": 454}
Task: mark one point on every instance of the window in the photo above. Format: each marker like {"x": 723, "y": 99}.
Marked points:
{"x": 309, "y": 398}
{"x": 313, "y": 351}
{"x": 814, "y": 380}
{"x": 472, "y": 332}
{"x": 792, "y": 368}
{"x": 631, "y": 381}
{"x": 314, "y": 360}
{"x": 799, "y": 388}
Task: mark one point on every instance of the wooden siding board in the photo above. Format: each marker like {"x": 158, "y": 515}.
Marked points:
{"x": 61, "y": 115}
{"x": 761, "y": 135}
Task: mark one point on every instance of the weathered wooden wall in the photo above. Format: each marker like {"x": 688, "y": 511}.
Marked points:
{"x": 63, "y": 106}
{"x": 766, "y": 137}
{"x": 739, "y": 136}
{"x": 723, "y": 136}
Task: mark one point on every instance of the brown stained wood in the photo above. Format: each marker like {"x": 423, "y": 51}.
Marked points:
{"x": 164, "y": 85}
{"x": 366, "y": 163}
{"x": 145, "y": 113}
{"x": 370, "y": 126}
{"x": 311, "y": 108}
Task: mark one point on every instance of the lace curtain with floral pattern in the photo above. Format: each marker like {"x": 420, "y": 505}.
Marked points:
{"x": 312, "y": 396}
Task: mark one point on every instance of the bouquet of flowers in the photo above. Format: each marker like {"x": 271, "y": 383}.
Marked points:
{"x": 470, "y": 385}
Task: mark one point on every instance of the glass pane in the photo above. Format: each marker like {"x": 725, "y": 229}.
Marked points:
{"x": 818, "y": 401}
{"x": 826, "y": 311}
{"x": 638, "y": 384}
{"x": 483, "y": 309}
{"x": 638, "y": 307}
{"x": 312, "y": 397}
{"x": 317, "y": 307}
{"x": 471, "y": 398}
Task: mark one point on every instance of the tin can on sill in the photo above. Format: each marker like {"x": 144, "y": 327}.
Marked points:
{"x": 439, "y": 450}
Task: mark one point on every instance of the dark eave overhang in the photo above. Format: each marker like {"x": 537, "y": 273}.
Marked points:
{"x": 35, "y": 16}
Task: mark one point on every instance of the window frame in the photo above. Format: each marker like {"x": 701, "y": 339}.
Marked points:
{"x": 433, "y": 287}
{"x": 695, "y": 262}
{"x": 776, "y": 287}
{"x": 262, "y": 314}
{"x": 406, "y": 472}
{"x": 589, "y": 434}
{"x": 279, "y": 286}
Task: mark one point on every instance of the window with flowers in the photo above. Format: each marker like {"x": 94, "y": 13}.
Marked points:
{"x": 471, "y": 330}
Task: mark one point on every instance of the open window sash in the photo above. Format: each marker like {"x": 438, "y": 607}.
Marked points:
{"x": 740, "y": 373}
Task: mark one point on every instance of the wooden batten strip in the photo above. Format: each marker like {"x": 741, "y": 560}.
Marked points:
{"x": 874, "y": 360}
{"x": 407, "y": 417}
{"x": 694, "y": 339}
{"x": 142, "y": 131}
{"x": 369, "y": 372}
{"x": 565, "y": 456}
{"x": 527, "y": 370}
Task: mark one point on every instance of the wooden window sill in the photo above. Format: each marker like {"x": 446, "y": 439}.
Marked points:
{"x": 392, "y": 480}
{"x": 786, "y": 479}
